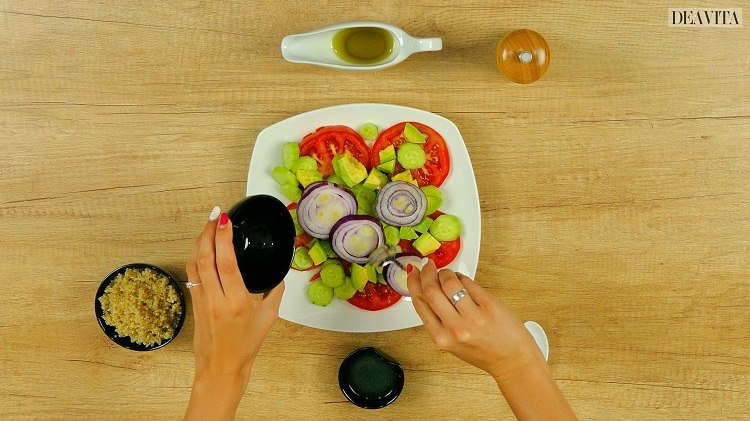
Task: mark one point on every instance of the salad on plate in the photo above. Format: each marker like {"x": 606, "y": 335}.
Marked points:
{"x": 366, "y": 205}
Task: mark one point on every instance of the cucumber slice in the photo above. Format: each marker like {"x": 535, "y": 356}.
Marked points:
{"x": 290, "y": 154}
{"x": 411, "y": 156}
{"x": 283, "y": 176}
{"x": 345, "y": 291}
{"x": 445, "y": 228}
{"x": 302, "y": 259}
{"x": 291, "y": 192}
{"x": 369, "y": 131}
{"x": 332, "y": 274}
{"x": 319, "y": 293}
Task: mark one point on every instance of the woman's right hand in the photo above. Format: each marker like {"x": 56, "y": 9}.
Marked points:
{"x": 479, "y": 329}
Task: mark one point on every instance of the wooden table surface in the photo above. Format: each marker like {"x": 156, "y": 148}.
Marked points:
{"x": 614, "y": 197}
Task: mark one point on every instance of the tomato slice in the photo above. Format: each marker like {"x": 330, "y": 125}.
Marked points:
{"x": 438, "y": 164}
{"x": 328, "y": 141}
{"x": 375, "y": 297}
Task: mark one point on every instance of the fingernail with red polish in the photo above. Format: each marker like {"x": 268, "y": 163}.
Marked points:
{"x": 409, "y": 269}
{"x": 223, "y": 220}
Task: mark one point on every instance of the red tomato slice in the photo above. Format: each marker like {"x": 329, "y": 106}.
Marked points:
{"x": 328, "y": 141}
{"x": 375, "y": 297}
{"x": 438, "y": 164}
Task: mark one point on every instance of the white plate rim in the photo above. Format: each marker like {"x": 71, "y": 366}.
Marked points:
{"x": 340, "y": 316}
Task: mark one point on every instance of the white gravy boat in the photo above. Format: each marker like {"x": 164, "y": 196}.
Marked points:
{"x": 316, "y": 47}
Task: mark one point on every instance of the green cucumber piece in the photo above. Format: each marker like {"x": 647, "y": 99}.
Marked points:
{"x": 291, "y": 192}
{"x": 297, "y": 227}
{"x": 283, "y": 176}
{"x": 302, "y": 259}
{"x": 319, "y": 294}
{"x": 369, "y": 131}
{"x": 345, "y": 291}
{"x": 445, "y": 228}
{"x": 290, "y": 154}
{"x": 332, "y": 273}
{"x": 411, "y": 156}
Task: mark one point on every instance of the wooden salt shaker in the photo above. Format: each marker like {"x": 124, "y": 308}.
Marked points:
{"x": 522, "y": 56}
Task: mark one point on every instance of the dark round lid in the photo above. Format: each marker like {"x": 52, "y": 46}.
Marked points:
{"x": 370, "y": 379}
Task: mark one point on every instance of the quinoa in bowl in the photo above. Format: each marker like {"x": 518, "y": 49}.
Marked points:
{"x": 140, "y": 307}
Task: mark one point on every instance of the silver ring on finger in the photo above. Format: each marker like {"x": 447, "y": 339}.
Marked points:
{"x": 191, "y": 284}
{"x": 458, "y": 296}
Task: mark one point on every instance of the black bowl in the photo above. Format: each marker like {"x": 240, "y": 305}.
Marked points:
{"x": 264, "y": 235}
{"x": 370, "y": 379}
{"x": 124, "y": 341}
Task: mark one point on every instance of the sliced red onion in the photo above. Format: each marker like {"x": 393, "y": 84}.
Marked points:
{"x": 402, "y": 204}
{"x": 354, "y": 237}
{"x": 396, "y": 277}
{"x": 321, "y": 206}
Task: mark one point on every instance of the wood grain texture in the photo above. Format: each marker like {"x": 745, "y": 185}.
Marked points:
{"x": 614, "y": 197}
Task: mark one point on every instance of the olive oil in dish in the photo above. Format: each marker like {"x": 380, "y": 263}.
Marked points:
{"x": 363, "y": 45}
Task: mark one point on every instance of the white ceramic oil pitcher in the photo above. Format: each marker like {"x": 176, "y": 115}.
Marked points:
{"x": 316, "y": 47}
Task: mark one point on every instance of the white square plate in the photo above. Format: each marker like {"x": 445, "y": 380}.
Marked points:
{"x": 460, "y": 198}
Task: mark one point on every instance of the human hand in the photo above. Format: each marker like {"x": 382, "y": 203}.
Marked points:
{"x": 479, "y": 329}
{"x": 230, "y": 323}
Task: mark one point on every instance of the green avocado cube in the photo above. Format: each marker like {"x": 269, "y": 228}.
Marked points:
{"x": 359, "y": 276}
{"x": 388, "y": 167}
{"x": 407, "y": 233}
{"x": 412, "y": 134}
{"x": 375, "y": 180}
{"x": 404, "y": 176}
{"x": 426, "y": 244}
{"x": 307, "y": 177}
{"x": 424, "y": 225}
{"x": 318, "y": 253}
{"x": 350, "y": 170}
{"x": 387, "y": 154}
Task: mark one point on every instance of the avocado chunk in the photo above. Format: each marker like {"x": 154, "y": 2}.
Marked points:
{"x": 283, "y": 176}
{"x": 318, "y": 253}
{"x": 412, "y": 134}
{"x": 426, "y": 244}
{"x": 434, "y": 198}
{"x": 407, "y": 233}
{"x": 387, "y": 154}
{"x": 404, "y": 176}
{"x": 359, "y": 276}
{"x": 307, "y": 177}
{"x": 304, "y": 163}
{"x": 388, "y": 167}
{"x": 424, "y": 225}
{"x": 375, "y": 180}
{"x": 391, "y": 235}
{"x": 350, "y": 170}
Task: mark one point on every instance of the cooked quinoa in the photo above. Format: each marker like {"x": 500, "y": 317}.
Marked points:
{"x": 142, "y": 305}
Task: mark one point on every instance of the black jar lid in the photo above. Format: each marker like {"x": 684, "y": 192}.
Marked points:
{"x": 370, "y": 379}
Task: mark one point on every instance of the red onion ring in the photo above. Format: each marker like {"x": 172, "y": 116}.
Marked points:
{"x": 355, "y": 237}
{"x": 321, "y": 206}
{"x": 401, "y": 204}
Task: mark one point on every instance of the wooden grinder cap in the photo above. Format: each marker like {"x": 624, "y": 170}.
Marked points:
{"x": 522, "y": 56}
